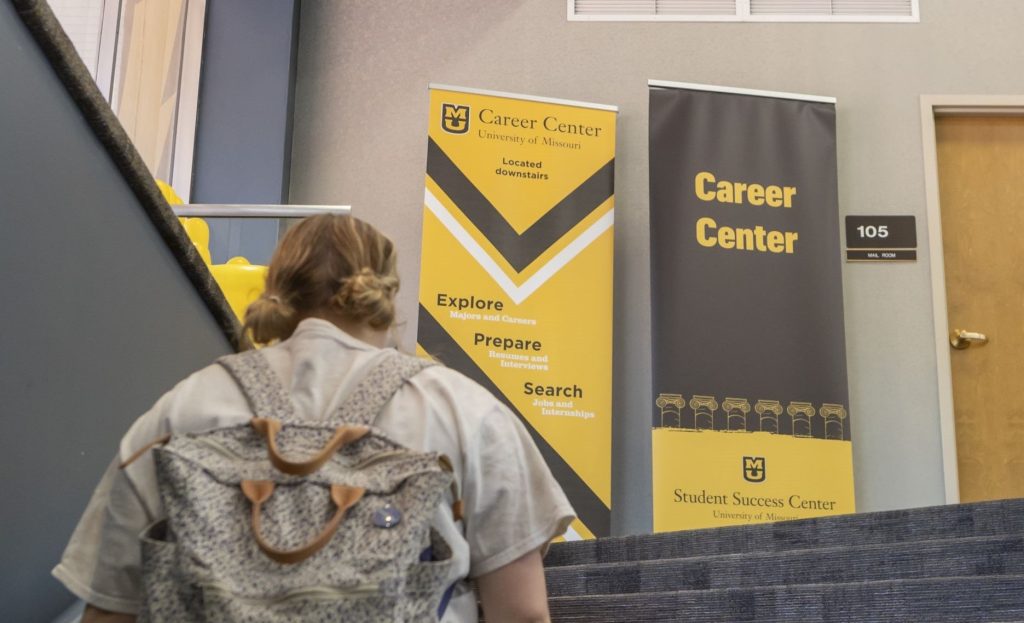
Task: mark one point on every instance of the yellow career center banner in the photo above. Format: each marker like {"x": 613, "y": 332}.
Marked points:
{"x": 751, "y": 420}
{"x": 516, "y": 271}
{"x": 730, "y": 472}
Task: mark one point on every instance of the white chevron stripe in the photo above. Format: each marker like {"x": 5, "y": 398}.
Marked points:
{"x": 572, "y": 535}
{"x": 518, "y": 294}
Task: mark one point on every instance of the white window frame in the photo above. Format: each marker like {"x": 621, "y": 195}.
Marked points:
{"x": 109, "y": 31}
{"x": 188, "y": 99}
{"x": 743, "y": 15}
{"x": 108, "y": 81}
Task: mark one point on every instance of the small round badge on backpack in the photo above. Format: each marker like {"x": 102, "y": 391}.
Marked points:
{"x": 388, "y": 516}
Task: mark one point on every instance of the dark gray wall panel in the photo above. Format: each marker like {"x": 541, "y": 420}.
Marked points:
{"x": 243, "y": 134}
{"x": 98, "y": 319}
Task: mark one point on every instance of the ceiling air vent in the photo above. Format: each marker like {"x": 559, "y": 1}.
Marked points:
{"x": 827, "y": 8}
{"x": 650, "y": 9}
{"x": 746, "y": 10}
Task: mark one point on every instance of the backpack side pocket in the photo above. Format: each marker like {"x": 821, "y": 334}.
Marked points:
{"x": 169, "y": 598}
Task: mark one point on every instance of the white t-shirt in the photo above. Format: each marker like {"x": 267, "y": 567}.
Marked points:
{"x": 512, "y": 504}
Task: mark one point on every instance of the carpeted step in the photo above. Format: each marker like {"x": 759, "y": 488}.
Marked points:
{"x": 976, "y": 556}
{"x": 930, "y": 523}
{"x": 983, "y": 599}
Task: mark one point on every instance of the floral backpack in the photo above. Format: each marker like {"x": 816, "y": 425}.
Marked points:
{"x": 255, "y": 534}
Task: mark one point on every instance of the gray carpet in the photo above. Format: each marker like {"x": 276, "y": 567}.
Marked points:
{"x": 927, "y": 559}
{"x": 962, "y": 563}
{"x": 921, "y": 524}
{"x": 943, "y": 600}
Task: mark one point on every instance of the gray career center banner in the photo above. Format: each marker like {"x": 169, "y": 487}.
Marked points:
{"x": 747, "y": 308}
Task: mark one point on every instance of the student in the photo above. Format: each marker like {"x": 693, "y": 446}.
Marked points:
{"x": 326, "y": 315}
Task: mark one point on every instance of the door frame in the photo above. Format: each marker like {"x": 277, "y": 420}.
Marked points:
{"x": 933, "y": 106}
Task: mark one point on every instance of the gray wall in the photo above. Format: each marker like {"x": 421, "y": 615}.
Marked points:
{"x": 243, "y": 130}
{"x": 98, "y": 320}
{"x": 360, "y": 137}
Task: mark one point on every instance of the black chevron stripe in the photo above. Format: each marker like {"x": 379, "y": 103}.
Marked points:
{"x": 519, "y": 249}
{"x": 591, "y": 510}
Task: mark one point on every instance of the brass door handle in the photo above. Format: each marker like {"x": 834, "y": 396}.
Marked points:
{"x": 960, "y": 339}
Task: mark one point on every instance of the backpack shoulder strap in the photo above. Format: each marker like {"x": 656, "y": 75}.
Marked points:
{"x": 378, "y": 387}
{"x": 261, "y": 386}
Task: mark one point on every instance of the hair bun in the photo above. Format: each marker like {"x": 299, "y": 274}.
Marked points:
{"x": 368, "y": 296}
{"x": 270, "y": 318}
{"x": 331, "y": 266}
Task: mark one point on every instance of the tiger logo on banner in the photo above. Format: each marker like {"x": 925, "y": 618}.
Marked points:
{"x": 516, "y": 281}
{"x": 454, "y": 118}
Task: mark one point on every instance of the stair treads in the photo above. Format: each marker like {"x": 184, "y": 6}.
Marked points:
{"x": 930, "y": 523}
{"x": 977, "y": 556}
{"x": 945, "y": 600}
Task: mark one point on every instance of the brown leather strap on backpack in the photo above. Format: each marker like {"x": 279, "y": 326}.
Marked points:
{"x": 458, "y": 508}
{"x": 159, "y": 441}
{"x": 343, "y": 435}
{"x": 259, "y": 491}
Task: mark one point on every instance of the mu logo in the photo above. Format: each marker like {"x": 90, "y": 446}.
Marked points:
{"x": 454, "y": 118}
{"x": 753, "y": 468}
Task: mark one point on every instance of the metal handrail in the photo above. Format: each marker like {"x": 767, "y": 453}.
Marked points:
{"x": 249, "y": 210}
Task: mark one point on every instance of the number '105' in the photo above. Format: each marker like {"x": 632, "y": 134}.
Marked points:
{"x": 872, "y": 231}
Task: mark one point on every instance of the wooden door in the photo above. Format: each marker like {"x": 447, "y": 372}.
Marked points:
{"x": 981, "y": 192}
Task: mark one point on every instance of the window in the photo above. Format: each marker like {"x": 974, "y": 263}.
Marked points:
{"x": 145, "y": 56}
{"x": 745, "y": 10}
{"x": 83, "y": 22}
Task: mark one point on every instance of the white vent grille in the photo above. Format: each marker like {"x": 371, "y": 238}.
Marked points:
{"x": 746, "y": 10}
{"x": 613, "y": 7}
{"x": 653, "y": 8}
{"x": 696, "y": 7}
{"x": 880, "y": 8}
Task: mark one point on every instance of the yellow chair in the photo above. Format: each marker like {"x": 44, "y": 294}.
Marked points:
{"x": 241, "y": 282}
{"x": 199, "y": 233}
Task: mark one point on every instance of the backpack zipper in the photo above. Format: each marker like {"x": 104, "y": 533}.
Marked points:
{"x": 221, "y": 449}
{"x": 319, "y": 593}
{"x": 380, "y": 456}
{"x": 226, "y": 452}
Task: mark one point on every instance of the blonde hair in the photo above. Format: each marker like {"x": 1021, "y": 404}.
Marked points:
{"x": 326, "y": 263}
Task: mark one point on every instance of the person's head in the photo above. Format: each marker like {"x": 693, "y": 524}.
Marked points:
{"x": 329, "y": 266}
